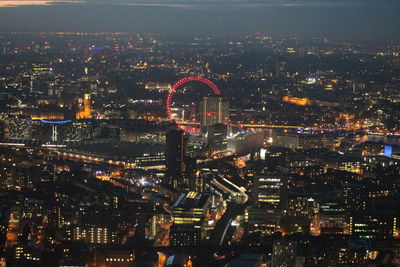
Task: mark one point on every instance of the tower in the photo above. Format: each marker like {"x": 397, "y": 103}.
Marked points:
{"x": 86, "y": 112}
{"x": 175, "y": 157}
{"x": 86, "y": 106}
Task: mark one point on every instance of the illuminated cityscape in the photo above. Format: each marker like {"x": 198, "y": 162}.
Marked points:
{"x": 203, "y": 147}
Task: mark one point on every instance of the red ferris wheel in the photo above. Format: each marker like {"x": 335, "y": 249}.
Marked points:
{"x": 211, "y": 85}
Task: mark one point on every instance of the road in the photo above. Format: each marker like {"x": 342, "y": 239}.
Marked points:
{"x": 221, "y": 233}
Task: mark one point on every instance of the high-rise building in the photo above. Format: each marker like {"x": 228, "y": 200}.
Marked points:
{"x": 271, "y": 189}
{"x": 175, "y": 157}
{"x": 188, "y": 214}
{"x": 217, "y": 137}
{"x": 214, "y": 110}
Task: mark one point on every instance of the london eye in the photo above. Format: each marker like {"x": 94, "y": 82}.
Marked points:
{"x": 174, "y": 89}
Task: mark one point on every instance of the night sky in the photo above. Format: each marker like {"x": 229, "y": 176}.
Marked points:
{"x": 374, "y": 19}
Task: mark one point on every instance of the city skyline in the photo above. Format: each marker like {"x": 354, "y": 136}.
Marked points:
{"x": 189, "y": 133}
{"x": 366, "y": 19}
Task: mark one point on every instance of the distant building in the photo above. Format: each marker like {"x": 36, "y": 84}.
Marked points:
{"x": 280, "y": 67}
{"x": 158, "y": 86}
{"x": 17, "y": 175}
{"x": 85, "y": 113}
{"x": 17, "y": 126}
{"x": 42, "y": 77}
{"x": 41, "y": 114}
{"x": 2, "y": 129}
{"x": 245, "y": 142}
{"x": 297, "y": 100}
{"x": 337, "y": 161}
{"x": 214, "y": 110}
{"x": 284, "y": 254}
{"x": 41, "y": 69}
{"x": 78, "y": 131}
{"x": 302, "y": 140}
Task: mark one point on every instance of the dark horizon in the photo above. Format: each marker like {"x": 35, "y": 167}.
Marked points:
{"x": 367, "y": 19}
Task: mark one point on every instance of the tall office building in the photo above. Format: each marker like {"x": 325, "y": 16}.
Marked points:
{"x": 217, "y": 137}
{"x": 271, "y": 189}
{"x": 175, "y": 157}
{"x": 189, "y": 214}
{"x": 214, "y": 110}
